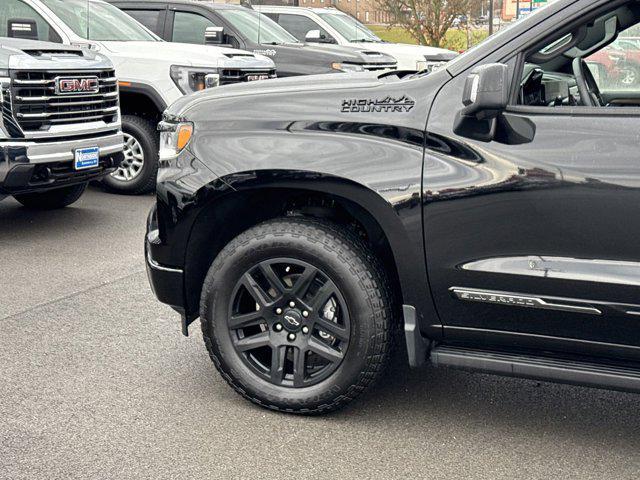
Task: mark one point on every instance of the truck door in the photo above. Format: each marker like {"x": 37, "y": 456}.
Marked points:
{"x": 532, "y": 237}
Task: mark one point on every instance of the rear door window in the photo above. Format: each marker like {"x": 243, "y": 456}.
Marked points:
{"x": 299, "y": 25}
{"x": 149, "y": 18}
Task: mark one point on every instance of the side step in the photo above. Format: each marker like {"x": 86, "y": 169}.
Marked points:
{"x": 539, "y": 368}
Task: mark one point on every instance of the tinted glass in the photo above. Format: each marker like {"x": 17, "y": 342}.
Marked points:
{"x": 299, "y": 25}
{"x": 148, "y": 18}
{"x": 20, "y": 10}
{"x": 190, "y": 27}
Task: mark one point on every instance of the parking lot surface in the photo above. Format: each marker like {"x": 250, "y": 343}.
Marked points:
{"x": 96, "y": 382}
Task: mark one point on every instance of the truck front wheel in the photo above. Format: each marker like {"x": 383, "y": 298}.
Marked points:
{"x": 296, "y": 314}
{"x": 52, "y": 199}
{"x": 137, "y": 172}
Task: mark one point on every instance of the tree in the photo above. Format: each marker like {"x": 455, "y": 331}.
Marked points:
{"x": 426, "y": 20}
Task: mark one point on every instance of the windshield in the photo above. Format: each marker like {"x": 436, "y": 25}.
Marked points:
{"x": 349, "y": 28}
{"x": 257, "y": 27}
{"x": 106, "y": 22}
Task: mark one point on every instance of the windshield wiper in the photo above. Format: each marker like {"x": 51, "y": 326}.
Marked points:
{"x": 363, "y": 40}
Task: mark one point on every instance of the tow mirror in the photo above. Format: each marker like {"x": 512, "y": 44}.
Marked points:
{"x": 313, "y": 36}
{"x": 214, "y": 35}
{"x": 485, "y": 97}
{"x": 22, "y": 28}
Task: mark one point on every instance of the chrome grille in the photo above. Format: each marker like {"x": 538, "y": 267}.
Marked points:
{"x": 373, "y": 67}
{"x": 237, "y": 75}
{"x": 36, "y": 106}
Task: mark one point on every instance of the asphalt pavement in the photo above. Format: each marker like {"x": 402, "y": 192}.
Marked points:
{"x": 96, "y": 382}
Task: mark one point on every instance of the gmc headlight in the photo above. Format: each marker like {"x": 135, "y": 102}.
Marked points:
{"x": 174, "y": 137}
{"x": 194, "y": 79}
{"x": 347, "y": 67}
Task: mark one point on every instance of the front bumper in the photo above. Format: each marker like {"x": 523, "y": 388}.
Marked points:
{"x": 167, "y": 283}
{"x": 30, "y": 165}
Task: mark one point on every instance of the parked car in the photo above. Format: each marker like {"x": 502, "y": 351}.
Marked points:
{"x": 60, "y": 122}
{"x": 239, "y": 27}
{"x": 152, "y": 74}
{"x": 331, "y": 26}
{"x": 620, "y": 62}
{"x": 489, "y": 210}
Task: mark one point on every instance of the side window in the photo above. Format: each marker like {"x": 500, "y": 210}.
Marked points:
{"x": 299, "y": 25}
{"x": 595, "y": 65}
{"x": 148, "y": 18}
{"x": 18, "y": 10}
{"x": 190, "y": 27}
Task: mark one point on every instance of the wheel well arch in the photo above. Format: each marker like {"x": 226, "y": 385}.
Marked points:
{"x": 238, "y": 210}
{"x": 141, "y": 101}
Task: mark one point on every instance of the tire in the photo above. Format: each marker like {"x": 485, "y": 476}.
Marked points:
{"x": 630, "y": 74}
{"x": 52, "y": 199}
{"x": 362, "y": 302}
{"x": 141, "y": 145}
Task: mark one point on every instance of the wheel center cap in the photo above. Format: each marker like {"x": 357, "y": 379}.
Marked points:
{"x": 292, "y": 320}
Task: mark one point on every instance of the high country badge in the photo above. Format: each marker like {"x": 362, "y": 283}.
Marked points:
{"x": 387, "y": 105}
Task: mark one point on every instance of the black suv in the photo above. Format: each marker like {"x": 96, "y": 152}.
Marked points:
{"x": 489, "y": 210}
{"x": 240, "y": 27}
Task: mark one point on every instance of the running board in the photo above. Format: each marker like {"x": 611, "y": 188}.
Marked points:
{"x": 539, "y": 368}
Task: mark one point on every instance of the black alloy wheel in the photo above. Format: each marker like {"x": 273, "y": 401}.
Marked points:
{"x": 289, "y": 322}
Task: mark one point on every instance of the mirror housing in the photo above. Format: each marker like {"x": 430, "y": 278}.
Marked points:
{"x": 214, "y": 35}
{"x": 313, "y": 36}
{"x": 22, "y": 28}
{"x": 485, "y": 97}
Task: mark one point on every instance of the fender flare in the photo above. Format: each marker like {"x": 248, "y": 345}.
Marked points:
{"x": 406, "y": 246}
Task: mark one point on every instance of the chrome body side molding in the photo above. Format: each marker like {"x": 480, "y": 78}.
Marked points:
{"x": 527, "y": 301}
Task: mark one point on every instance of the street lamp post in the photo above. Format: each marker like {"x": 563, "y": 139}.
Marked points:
{"x": 490, "y": 17}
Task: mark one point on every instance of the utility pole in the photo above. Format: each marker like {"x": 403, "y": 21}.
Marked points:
{"x": 490, "y": 17}
{"x": 517, "y": 9}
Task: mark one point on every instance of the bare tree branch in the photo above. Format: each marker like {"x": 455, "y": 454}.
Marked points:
{"x": 426, "y": 20}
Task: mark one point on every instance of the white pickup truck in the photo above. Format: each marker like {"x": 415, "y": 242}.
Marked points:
{"x": 329, "y": 25}
{"x": 59, "y": 121}
{"x": 152, "y": 73}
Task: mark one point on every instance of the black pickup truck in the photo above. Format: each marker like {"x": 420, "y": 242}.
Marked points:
{"x": 489, "y": 210}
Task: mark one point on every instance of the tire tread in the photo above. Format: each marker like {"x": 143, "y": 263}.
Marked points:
{"x": 371, "y": 275}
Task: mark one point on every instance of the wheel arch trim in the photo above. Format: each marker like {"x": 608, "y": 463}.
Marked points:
{"x": 405, "y": 246}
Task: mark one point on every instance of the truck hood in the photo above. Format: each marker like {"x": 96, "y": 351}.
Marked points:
{"x": 437, "y": 53}
{"x": 348, "y": 54}
{"x": 187, "y": 54}
{"x": 290, "y": 85}
{"x": 16, "y": 53}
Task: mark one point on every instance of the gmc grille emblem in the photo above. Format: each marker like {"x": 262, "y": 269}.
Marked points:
{"x": 67, "y": 86}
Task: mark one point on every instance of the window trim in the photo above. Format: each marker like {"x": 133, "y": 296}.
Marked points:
{"x": 533, "y": 46}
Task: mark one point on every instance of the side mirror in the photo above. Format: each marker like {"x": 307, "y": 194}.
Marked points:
{"x": 485, "y": 97}
{"x": 214, "y": 35}
{"x": 313, "y": 36}
{"x": 22, "y": 28}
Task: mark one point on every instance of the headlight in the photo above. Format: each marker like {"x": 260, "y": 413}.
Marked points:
{"x": 174, "y": 137}
{"x": 194, "y": 79}
{"x": 347, "y": 67}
